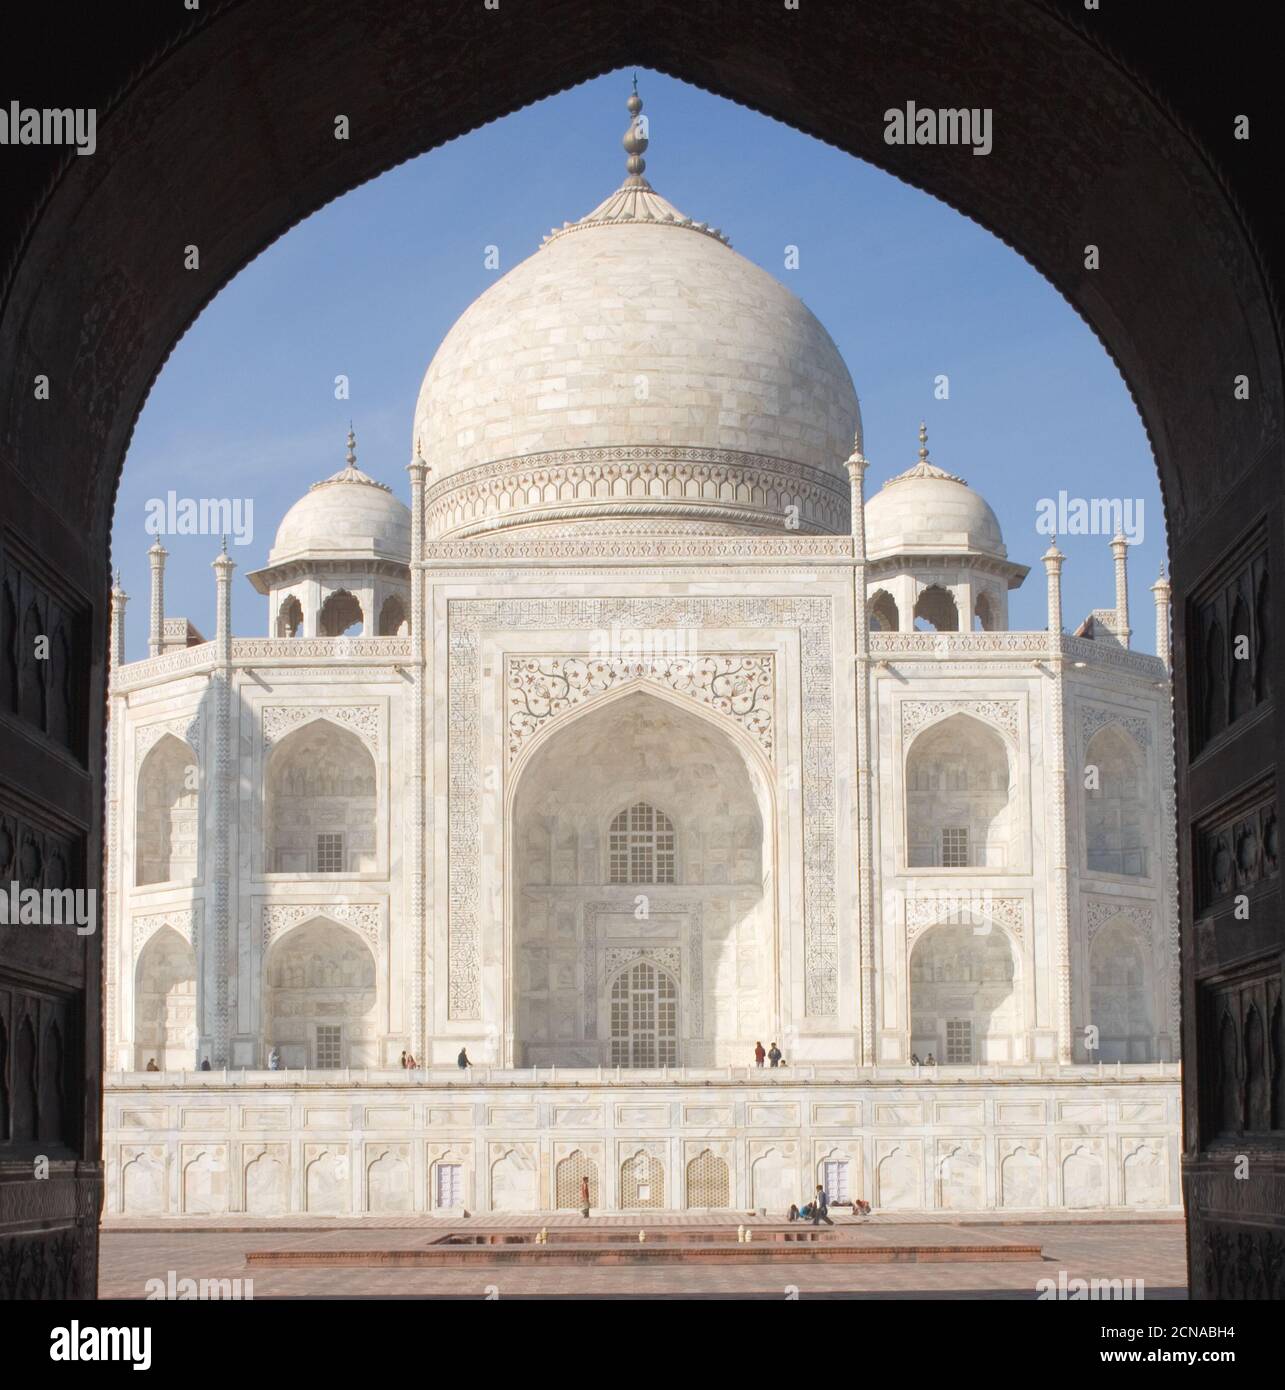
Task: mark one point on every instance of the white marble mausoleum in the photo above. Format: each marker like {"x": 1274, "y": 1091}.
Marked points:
{"x": 650, "y": 730}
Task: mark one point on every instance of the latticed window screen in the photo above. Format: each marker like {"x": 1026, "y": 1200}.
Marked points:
{"x": 707, "y": 1181}
{"x": 641, "y": 846}
{"x": 644, "y": 1017}
{"x": 329, "y": 1045}
{"x": 330, "y": 854}
{"x": 567, "y": 1180}
{"x": 954, "y": 847}
{"x": 449, "y": 1185}
{"x": 959, "y": 1040}
{"x": 642, "y": 1182}
{"x": 834, "y": 1178}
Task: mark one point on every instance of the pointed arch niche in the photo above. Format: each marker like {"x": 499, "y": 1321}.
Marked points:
{"x": 167, "y": 814}
{"x": 320, "y": 803}
{"x": 320, "y": 1004}
{"x": 702, "y": 918}
{"x": 165, "y": 1021}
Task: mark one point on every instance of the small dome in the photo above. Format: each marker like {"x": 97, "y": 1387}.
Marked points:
{"x": 927, "y": 510}
{"x": 348, "y": 515}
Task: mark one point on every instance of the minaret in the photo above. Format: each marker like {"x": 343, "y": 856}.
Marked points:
{"x": 1120, "y": 549}
{"x": 866, "y": 1055}
{"x": 418, "y": 471}
{"x": 119, "y": 599}
{"x": 1161, "y": 589}
{"x": 156, "y": 624}
{"x": 1053, "y": 559}
{"x": 857, "y": 465}
{"x": 216, "y": 968}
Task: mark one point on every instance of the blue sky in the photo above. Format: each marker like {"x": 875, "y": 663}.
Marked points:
{"x": 368, "y": 287}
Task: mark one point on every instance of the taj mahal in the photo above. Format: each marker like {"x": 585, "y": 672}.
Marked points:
{"x": 659, "y": 725}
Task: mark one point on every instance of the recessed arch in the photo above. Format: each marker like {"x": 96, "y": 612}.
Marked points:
{"x": 167, "y": 820}
{"x": 566, "y": 915}
{"x": 165, "y": 1002}
{"x": 341, "y": 615}
{"x": 393, "y": 618}
{"x": 1118, "y": 815}
{"x": 320, "y": 997}
{"x": 1120, "y": 989}
{"x": 960, "y": 784}
{"x": 936, "y": 610}
{"x": 964, "y": 1002}
{"x": 319, "y": 802}
{"x": 882, "y": 609}
{"x": 290, "y": 617}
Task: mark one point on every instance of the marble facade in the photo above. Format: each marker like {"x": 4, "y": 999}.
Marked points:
{"x": 636, "y": 740}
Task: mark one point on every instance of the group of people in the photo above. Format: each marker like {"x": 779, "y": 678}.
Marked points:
{"x": 773, "y": 1055}
{"x": 818, "y": 1209}
{"x": 929, "y": 1061}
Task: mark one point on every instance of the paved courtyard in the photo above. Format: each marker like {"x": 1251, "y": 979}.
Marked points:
{"x": 1150, "y": 1251}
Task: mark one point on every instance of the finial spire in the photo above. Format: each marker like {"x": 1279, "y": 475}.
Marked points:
{"x": 351, "y": 456}
{"x": 635, "y": 139}
{"x": 923, "y": 442}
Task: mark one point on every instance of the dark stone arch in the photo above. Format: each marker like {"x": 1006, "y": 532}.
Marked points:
{"x": 1102, "y": 112}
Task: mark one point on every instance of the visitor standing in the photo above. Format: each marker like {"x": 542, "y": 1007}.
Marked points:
{"x": 462, "y": 1060}
{"x": 774, "y": 1055}
{"x": 759, "y": 1054}
{"x": 584, "y": 1195}
{"x": 274, "y": 1060}
{"x": 821, "y": 1207}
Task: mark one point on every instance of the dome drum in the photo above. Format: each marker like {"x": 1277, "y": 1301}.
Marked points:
{"x": 683, "y": 489}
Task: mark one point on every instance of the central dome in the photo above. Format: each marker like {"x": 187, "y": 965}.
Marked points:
{"x": 637, "y": 369}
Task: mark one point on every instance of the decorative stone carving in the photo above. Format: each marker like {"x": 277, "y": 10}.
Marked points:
{"x": 740, "y": 686}
{"x": 668, "y": 957}
{"x": 932, "y": 909}
{"x": 919, "y": 714}
{"x": 365, "y": 918}
{"x": 1095, "y": 717}
{"x": 678, "y": 482}
{"x": 185, "y": 921}
{"x": 187, "y": 728}
{"x": 246, "y": 650}
{"x": 1099, "y": 911}
{"x": 363, "y": 720}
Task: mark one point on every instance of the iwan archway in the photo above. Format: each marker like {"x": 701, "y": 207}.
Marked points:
{"x": 208, "y": 104}
{"x": 642, "y": 919}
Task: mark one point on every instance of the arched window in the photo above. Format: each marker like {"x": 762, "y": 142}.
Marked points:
{"x": 341, "y": 615}
{"x": 883, "y": 612}
{"x": 644, "y": 1017}
{"x": 167, "y": 816}
{"x": 936, "y": 611}
{"x": 1117, "y": 820}
{"x": 290, "y": 617}
{"x": 957, "y": 798}
{"x": 641, "y": 845}
{"x": 393, "y": 621}
{"x": 319, "y": 811}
